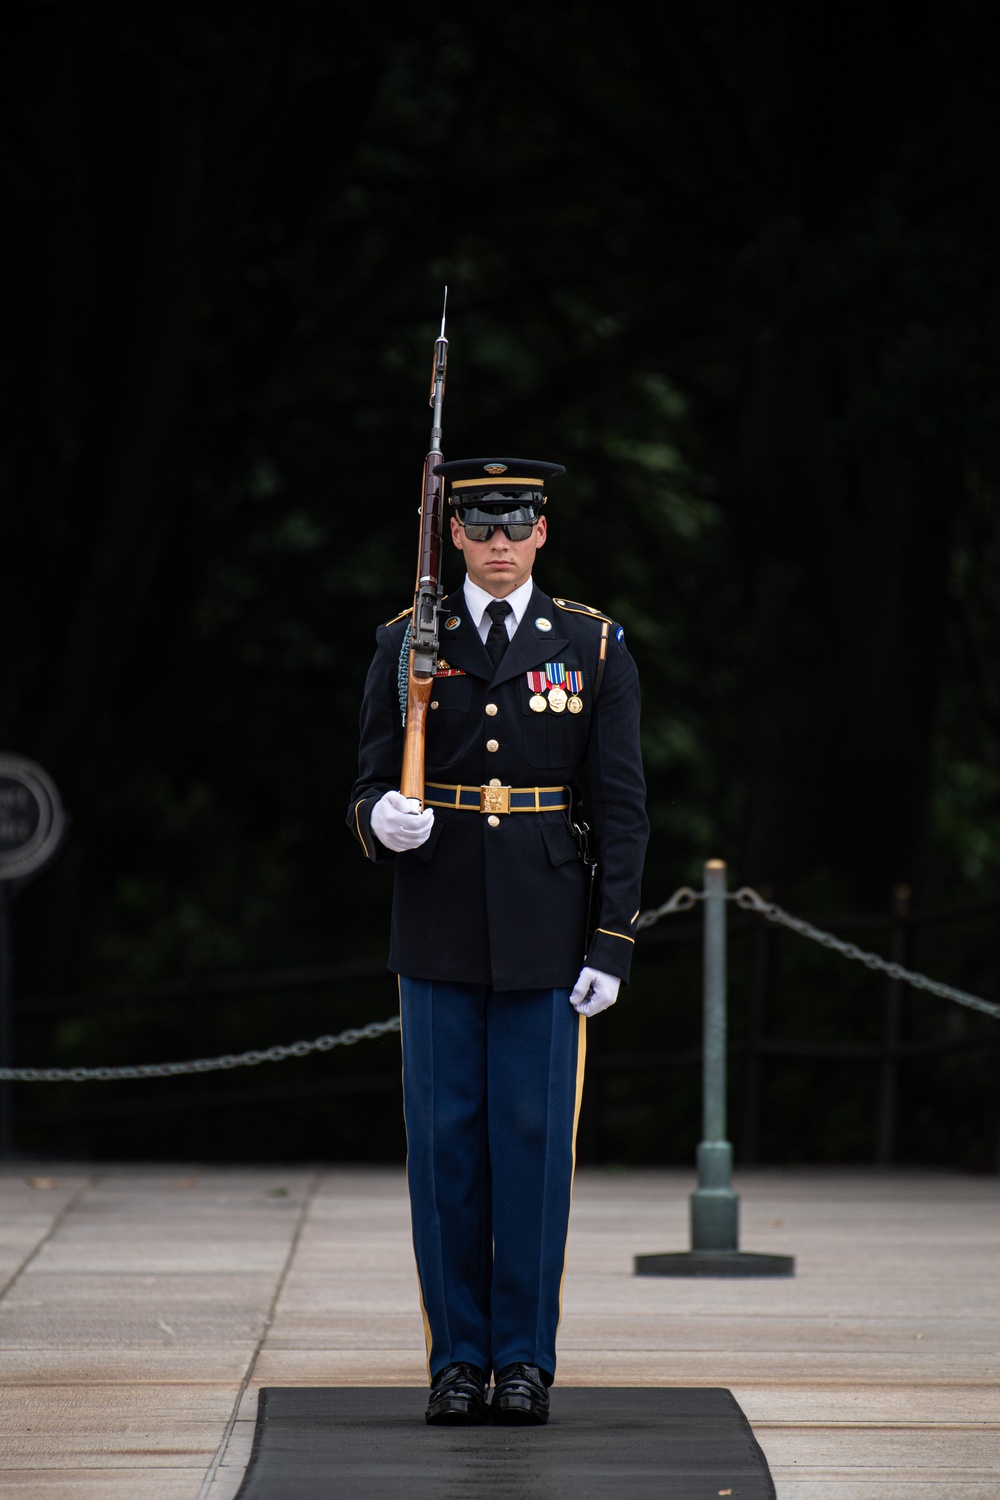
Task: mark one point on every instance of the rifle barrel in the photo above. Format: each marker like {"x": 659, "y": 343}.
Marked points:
{"x": 425, "y": 623}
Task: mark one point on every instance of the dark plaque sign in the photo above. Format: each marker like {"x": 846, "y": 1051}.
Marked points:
{"x": 31, "y": 817}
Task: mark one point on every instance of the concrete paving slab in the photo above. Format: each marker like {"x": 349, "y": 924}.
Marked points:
{"x": 831, "y": 1487}
{"x": 97, "y": 1483}
{"x": 871, "y": 1406}
{"x": 875, "y": 1371}
{"x": 112, "y": 1364}
{"x": 81, "y": 1406}
{"x": 52, "y": 1308}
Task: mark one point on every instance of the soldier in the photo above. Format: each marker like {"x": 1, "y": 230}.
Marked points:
{"x": 498, "y": 964}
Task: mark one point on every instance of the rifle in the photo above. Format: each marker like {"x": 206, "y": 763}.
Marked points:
{"x": 425, "y": 623}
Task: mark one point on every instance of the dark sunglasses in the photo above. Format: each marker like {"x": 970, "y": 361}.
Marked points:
{"x": 516, "y": 524}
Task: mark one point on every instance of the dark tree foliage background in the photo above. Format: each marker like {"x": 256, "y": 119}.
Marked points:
{"x": 733, "y": 263}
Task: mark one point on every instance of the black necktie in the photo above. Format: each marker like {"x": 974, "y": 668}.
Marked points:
{"x": 497, "y": 640}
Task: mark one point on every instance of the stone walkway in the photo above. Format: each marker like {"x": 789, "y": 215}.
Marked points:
{"x": 142, "y": 1307}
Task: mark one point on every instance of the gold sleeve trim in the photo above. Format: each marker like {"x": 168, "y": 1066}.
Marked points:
{"x": 623, "y": 935}
{"x": 357, "y": 824}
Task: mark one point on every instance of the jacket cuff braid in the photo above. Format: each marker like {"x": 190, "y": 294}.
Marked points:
{"x": 611, "y": 952}
{"x": 363, "y": 832}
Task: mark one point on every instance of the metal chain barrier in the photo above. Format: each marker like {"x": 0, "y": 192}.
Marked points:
{"x": 202, "y": 1064}
{"x": 748, "y": 899}
{"x": 751, "y": 900}
{"x": 683, "y": 899}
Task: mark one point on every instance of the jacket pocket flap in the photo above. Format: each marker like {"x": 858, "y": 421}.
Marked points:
{"x": 559, "y": 842}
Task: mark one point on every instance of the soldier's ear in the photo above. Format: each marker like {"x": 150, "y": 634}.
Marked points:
{"x": 456, "y": 534}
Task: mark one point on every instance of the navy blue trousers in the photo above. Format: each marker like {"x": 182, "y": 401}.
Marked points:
{"x": 492, "y": 1081}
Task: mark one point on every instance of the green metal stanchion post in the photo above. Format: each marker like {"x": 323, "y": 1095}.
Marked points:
{"x": 715, "y": 1207}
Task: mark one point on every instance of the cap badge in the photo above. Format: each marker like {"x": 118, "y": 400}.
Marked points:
{"x": 453, "y": 622}
{"x": 495, "y": 468}
{"x": 542, "y": 623}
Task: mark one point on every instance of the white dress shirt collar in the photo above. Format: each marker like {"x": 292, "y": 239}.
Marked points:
{"x": 477, "y": 600}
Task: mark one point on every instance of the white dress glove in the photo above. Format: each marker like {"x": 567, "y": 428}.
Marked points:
{"x": 398, "y": 823}
{"x": 594, "y": 991}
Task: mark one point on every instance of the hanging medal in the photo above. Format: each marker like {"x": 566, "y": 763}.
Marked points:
{"x": 537, "y": 684}
{"x": 574, "y": 683}
{"x": 555, "y": 675}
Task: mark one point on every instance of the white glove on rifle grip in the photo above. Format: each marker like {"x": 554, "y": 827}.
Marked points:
{"x": 398, "y": 823}
{"x": 594, "y": 991}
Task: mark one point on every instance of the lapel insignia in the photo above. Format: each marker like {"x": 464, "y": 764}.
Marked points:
{"x": 452, "y": 622}
{"x": 542, "y": 623}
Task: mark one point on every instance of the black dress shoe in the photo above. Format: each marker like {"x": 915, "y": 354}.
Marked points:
{"x": 521, "y": 1396}
{"x": 458, "y": 1396}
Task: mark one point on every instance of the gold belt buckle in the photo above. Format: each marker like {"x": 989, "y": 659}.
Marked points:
{"x": 494, "y": 798}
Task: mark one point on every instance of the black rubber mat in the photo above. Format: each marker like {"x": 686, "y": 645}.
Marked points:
{"x": 371, "y": 1443}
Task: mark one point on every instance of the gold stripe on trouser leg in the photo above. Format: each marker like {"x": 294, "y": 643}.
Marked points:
{"x": 581, "y": 1062}
{"x": 420, "y": 1289}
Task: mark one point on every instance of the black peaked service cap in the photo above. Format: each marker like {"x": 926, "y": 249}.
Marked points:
{"x": 472, "y": 479}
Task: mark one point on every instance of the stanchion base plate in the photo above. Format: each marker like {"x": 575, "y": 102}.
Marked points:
{"x": 714, "y": 1263}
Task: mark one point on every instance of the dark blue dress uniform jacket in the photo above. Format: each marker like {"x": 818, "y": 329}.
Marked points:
{"x": 506, "y": 906}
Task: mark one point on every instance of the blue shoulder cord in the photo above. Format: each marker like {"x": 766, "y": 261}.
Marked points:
{"x": 403, "y": 671}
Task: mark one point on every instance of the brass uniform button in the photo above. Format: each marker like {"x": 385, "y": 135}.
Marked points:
{"x": 491, "y": 709}
{"x": 492, "y": 745}
{"x": 495, "y": 781}
{"x": 434, "y": 703}
{"x": 493, "y": 820}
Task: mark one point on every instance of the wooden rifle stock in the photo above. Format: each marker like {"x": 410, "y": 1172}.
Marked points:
{"x": 423, "y": 633}
{"x": 424, "y": 625}
{"x": 418, "y": 699}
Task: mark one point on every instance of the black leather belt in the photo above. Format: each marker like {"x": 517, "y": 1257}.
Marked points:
{"x": 495, "y": 798}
